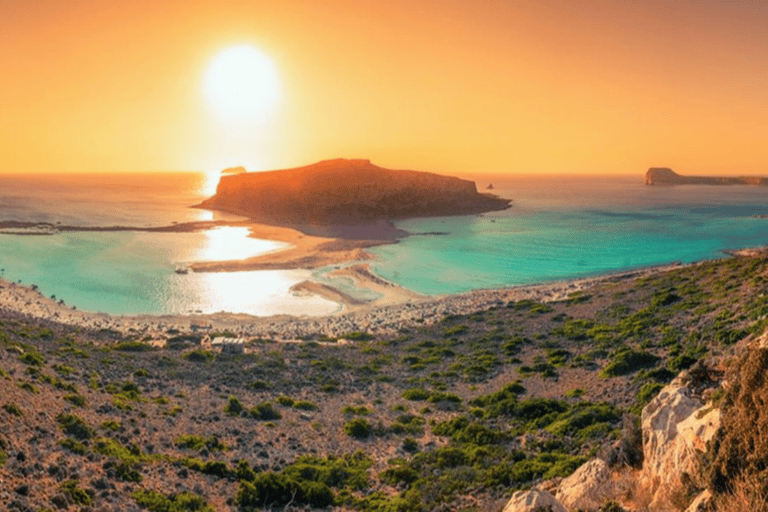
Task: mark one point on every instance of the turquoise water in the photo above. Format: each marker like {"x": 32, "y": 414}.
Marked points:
{"x": 574, "y": 227}
{"x": 133, "y": 272}
{"x": 558, "y": 228}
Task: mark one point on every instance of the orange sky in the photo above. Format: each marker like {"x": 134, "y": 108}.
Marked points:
{"x": 456, "y": 87}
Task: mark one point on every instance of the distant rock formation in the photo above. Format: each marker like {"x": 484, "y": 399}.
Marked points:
{"x": 234, "y": 170}
{"x": 353, "y": 192}
{"x": 666, "y": 176}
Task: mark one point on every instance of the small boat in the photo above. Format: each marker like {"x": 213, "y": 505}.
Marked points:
{"x": 490, "y": 186}
{"x": 181, "y": 269}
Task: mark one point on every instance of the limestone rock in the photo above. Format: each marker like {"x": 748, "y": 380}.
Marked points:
{"x": 587, "y": 488}
{"x": 533, "y": 501}
{"x": 704, "y": 502}
{"x": 676, "y": 427}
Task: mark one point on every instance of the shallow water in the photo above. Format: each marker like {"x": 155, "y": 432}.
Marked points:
{"x": 573, "y": 227}
{"x": 558, "y": 228}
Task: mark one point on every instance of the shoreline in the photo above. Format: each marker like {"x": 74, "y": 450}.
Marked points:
{"x": 401, "y": 308}
{"x": 394, "y": 308}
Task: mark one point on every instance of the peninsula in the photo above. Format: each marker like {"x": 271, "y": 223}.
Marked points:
{"x": 341, "y": 192}
{"x": 666, "y": 176}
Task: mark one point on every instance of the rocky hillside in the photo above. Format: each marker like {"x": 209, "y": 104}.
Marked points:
{"x": 346, "y": 192}
{"x": 454, "y": 416}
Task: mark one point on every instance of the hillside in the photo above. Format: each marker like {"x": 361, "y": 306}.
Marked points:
{"x": 452, "y": 416}
{"x": 346, "y": 192}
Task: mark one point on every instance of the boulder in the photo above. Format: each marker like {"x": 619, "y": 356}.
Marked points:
{"x": 676, "y": 427}
{"x": 533, "y": 501}
{"x": 587, "y": 488}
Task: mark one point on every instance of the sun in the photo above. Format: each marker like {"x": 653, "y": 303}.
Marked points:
{"x": 241, "y": 83}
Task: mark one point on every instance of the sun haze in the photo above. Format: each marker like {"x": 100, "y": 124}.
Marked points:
{"x": 449, "y": 86}
{"x": 240, "y": 82}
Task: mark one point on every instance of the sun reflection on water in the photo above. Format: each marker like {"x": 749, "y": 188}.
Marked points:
{"x": 233, "y": 243}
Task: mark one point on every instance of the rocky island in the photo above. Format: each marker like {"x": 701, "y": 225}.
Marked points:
{"x": 666, "y": 176}
{"x": 346, "y": 192}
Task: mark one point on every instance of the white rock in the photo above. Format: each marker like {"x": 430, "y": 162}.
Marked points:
{"x": 587, "y": 488}
{"x": 704, "y": 502}
{"x": 676, "y": 427}
{"x": 532, "y": 501}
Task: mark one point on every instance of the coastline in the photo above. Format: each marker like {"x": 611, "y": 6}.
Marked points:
{"x": 396, "y": 309}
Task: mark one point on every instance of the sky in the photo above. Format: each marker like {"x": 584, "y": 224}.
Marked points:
{"x": 454, "y": 87}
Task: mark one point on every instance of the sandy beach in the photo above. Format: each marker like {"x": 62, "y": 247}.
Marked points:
{"x": 305, "y": 251}
{"x": 395, "y": 308}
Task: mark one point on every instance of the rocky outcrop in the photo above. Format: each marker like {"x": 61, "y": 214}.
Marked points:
{"x": 666, "y": 176}
{"x": 533, "y": 501}
{"x": 587, "y": 488}
{"x": 677, "y": 425}
{"x": 343, "y": 191}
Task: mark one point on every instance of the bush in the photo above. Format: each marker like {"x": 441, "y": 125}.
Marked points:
{"x": 133, "y": 346}
{"x": 32, "y": 358}
{"x": 285, "y": 401}
{"x": 265, "y": 411}
{"x": 12, "y": 408}
{"x": 305, "y": 405}
{"x": 628, "y": 361}
{"x": 199, "y": 356}
{"x": 74, "y": 426}
{"x": 76, "y": 400}
{"x": 416, "y": 394}
{"x": 75, "y": 494}
{"x": 234, "y": 407}
{"x": 270, "y": 490}
{"x": 359, "y": 428}
{"x": 182, "y": 502}
{"x": 73, "y": 446}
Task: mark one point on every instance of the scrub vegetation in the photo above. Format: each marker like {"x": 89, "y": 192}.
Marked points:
{"x": 450, "y": 415}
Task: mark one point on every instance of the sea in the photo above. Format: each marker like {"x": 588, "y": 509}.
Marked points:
{"x": 559, "y": 227}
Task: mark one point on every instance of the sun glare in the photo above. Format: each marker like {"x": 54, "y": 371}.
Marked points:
{"x": 241, "y": 83}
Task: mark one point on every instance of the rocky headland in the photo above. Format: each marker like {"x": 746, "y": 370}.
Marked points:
{"x": 341, "y": 192}
{"x": 666, "y": 176}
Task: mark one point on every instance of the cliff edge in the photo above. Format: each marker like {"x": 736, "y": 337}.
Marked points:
{"x": 345, "y": 191}
{"x": 666, "y": 176}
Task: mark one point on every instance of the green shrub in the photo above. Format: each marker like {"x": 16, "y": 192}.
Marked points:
{"x": 416, "y": 394}
{"x": 182, "y": 502}
{"x": 628, "y": 361}
{"x": 265, "y": 411}
{"x": 234, "y": 407}
{"x": 305, "y": 405}
{"x": 32, "y": 358}
{"x": 359, "y": 428}
{"x": 199, "y": 356}
{"x": 13, "y": 409}
{"x": 76, "y": 495}
{"x": 28, "y": 386}
{"x": 76, "y": 400}
{"x": 193, "y": 442}
{"x": 359, "y": 410}
{"x": 645, "y": 395}
{"x": 270, "y": 490}
{"x": 284, "y": 400}
{"x": 112, "y": 425}
{"x": 133, "y": 346}
{"x": 75, "y": 426}
{"x": 74, "y": 446}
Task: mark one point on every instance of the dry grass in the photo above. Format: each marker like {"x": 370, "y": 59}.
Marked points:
{"x": 747, "y": 495}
